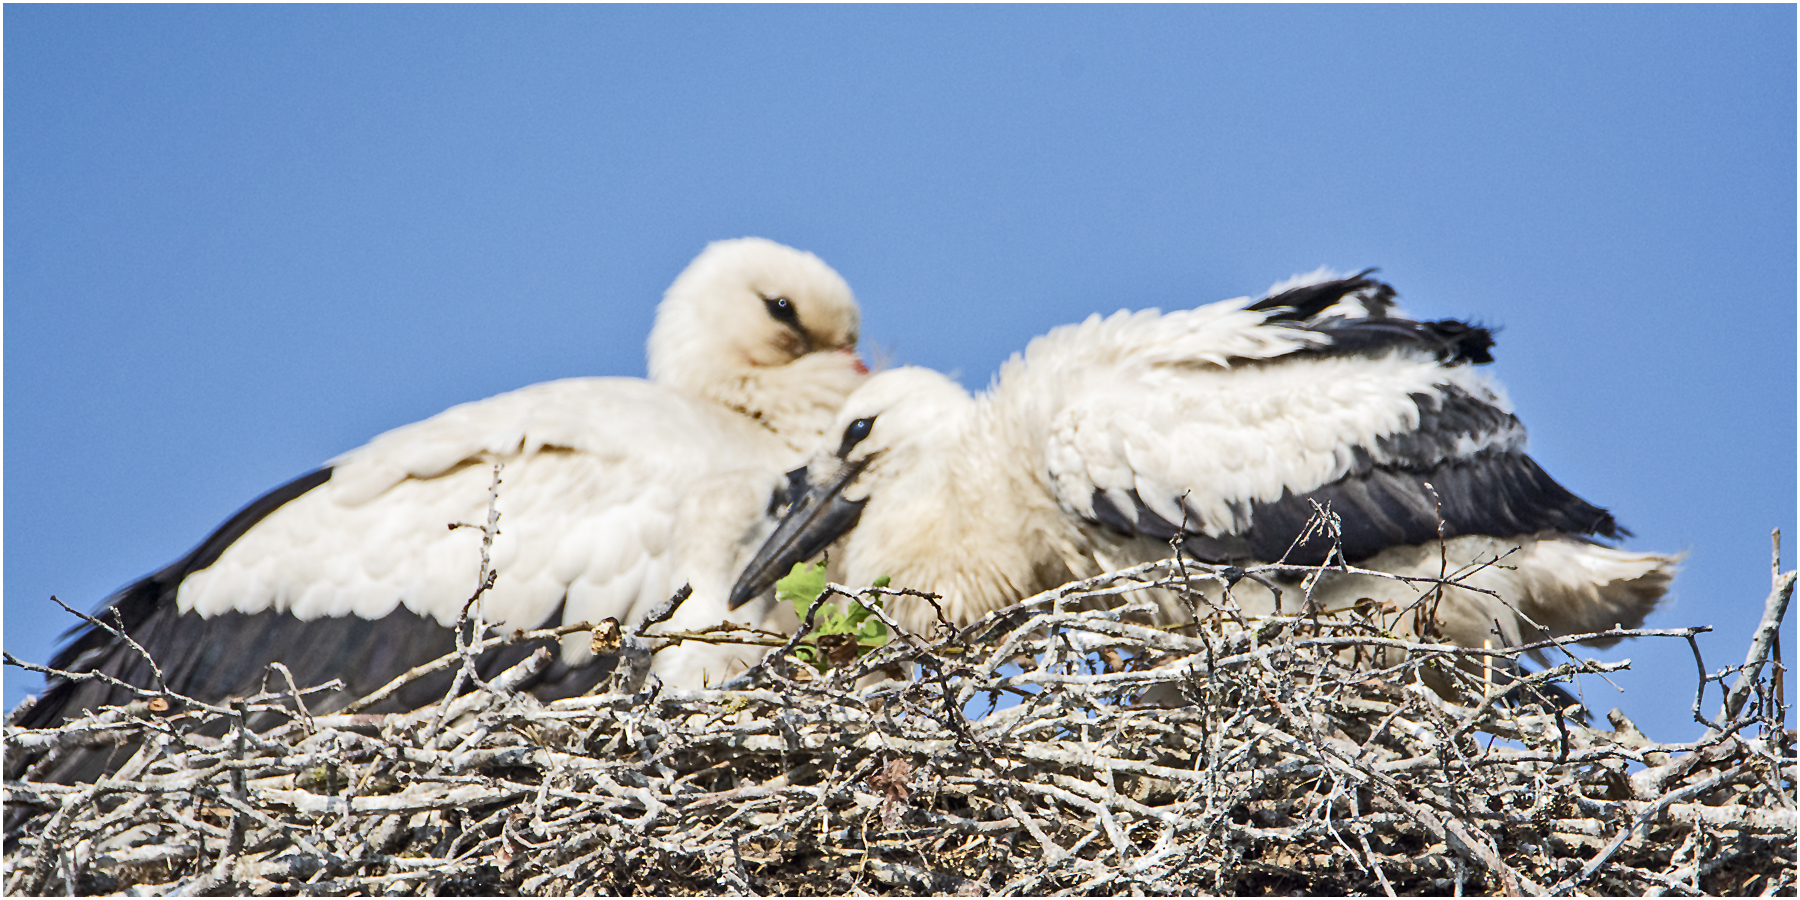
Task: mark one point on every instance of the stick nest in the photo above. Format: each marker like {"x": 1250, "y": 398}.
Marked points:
{"x": 1053, "y": 748}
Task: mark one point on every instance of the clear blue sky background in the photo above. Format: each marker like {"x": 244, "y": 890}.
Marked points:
{"x": 241, "y": 240}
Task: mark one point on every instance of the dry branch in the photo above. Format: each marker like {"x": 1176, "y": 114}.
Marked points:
{"x": 1259, "y": 755}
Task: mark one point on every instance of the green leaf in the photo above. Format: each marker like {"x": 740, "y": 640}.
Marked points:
{"x": 871, "y": 631}
{"x": 874, "y": 631}
{"x": 810, "y": 655}
{"x": 801, "y": 587}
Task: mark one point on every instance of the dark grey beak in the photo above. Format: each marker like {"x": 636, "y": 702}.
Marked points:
{"x": 813, "y": 520}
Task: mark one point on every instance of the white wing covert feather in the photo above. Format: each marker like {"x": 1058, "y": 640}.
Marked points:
{"x": 587, "y": 515}
{"x": 1227, "y": 436}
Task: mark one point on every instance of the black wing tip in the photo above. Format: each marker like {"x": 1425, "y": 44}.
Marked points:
{"x": 1453, "y": 341}
{"x": 137, "y": 601}
{"x": 1607, "y": 527}
{"x": 134, "y": 603}
{"x": 44, "y": 709}
{"x": 1462, "y": 342}
{"x": 1307, "y": 301}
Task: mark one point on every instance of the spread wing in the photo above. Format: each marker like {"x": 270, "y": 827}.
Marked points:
{"x": 1383, "y": 419}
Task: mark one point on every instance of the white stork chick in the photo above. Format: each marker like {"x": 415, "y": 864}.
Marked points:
{"x": 1218, "y": 424}
{"x": 610, "y": 501}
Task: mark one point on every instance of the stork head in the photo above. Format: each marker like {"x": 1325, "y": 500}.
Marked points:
{"x": 881, "y": 455}
{"x": 760, "y": 327}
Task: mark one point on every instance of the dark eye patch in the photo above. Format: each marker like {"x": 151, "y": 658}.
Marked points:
{"x": 854, "y": 435}
{"x": 781, "y": 309}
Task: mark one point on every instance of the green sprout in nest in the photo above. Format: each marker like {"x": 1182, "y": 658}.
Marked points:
{"x": 839, "y": 634}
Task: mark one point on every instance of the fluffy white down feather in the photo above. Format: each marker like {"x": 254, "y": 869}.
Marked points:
{"x": 614, "y": 493}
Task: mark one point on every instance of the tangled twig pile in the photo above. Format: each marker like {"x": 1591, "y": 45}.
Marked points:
{"x": 1073, "y": 750}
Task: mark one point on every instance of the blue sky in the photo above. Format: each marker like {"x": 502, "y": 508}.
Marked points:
{"x": 241, "y": 240}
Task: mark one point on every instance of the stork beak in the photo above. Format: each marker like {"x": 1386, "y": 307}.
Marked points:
{"x": 813, "y": 520}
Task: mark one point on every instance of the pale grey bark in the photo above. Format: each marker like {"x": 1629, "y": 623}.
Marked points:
{"x": 1238, "y": 756}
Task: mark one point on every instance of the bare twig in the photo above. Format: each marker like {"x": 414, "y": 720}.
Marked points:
{"x": 1271, "y": 761}
{"x": 1767, "y": 631}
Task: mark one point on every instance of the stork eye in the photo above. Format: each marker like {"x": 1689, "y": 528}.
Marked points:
{"x": 854, "y": 435}
{"x": 781, "y": 309}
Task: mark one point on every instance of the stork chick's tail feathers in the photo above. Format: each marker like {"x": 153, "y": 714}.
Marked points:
{"x": 1577, "y": 587}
